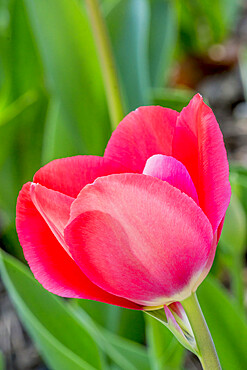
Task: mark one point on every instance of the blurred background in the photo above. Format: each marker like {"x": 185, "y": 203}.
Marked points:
{"x": 53, "y": 104}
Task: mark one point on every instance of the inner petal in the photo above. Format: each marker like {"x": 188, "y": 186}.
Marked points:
{"x": 169, "y": 169}
{"x": 54, "y": 207}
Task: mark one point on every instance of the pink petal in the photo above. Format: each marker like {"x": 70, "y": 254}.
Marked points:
{"x": 171, "y": 170}
{"x": 198, "y": 144}
{"x": 48, "y": 260}
{"x": 141, "y": 134}
{"x": 70, "y": 175}
{"x": 172, "y": 322}
{"x": 139, "y": 237}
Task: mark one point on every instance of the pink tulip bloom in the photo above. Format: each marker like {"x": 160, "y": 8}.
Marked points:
{"x": 138, "y": 227}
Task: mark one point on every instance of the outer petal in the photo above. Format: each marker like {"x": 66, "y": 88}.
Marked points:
{"x": 141, "y": 134}
{"x": 70, "y": 175}
{"x": 171, "y": 170}
{"x": 139, "y": 237}
{"x": 48, "y": 260}
{"x": 198, "y": 144}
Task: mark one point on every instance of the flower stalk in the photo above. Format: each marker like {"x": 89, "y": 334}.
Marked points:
{"x": 207, "y": 352}
{"x": 107, "y": 63}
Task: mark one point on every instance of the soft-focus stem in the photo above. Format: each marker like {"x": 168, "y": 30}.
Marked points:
{"x": 107, "y": 62}
{"x": 207, "y": 351}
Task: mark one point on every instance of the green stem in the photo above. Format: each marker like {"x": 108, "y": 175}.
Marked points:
{"x": 107, "y": 62}
{"x": 207, "y": 351}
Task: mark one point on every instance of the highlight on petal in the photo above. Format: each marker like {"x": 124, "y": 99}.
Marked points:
{"x": 198, "y": 144}
{"x": 139, "y": 238}
{"x": 169, "y": 169}
{"x": 141, "y": 134}
{"x": 70, "y": 175}
{"x": 48, "y": 260}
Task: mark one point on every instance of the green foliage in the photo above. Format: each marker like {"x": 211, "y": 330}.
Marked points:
{"x": 163, "y": 36}
{"x": 165, "y": 351}
{"x": 72, "y": 69}
{"x": 234, "y": 230}
{"x": 2, "y": 361}
{"x": 125, "y": 353}
{"x": 61, "y": 338}
{"x": 127, "y": 22}
{"x": 203, "y": 25}
{"x": 225, "y": 322}
{"x": 175, "y": 99}
{"x": 64, "y": 333}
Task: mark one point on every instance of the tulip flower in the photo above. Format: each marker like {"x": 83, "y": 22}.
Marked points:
{"x": 137, "y": 228}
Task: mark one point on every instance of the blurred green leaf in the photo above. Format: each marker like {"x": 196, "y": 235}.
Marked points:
{"x": 226, "y": 323}
{"x": 239, "y": 169}
{"x": 127, "y": 354}
{"x": 234, "y": 229}
{"x": 172, "y": 98}
{"x": 230, "y": 12}
{"x": 58, "y": 140}
{"x": 238, "y": 178}
{"x": 128, "y": 22}
{"x": 133, "y": 351}
{"x": 2, "y": 361}
{"x": 23, "y": 105}
{"x": 131, "y": 325}
{"x": 162, "y": 39}
{"x": 202, "y": 25}
{"x": 62, "y": 339}
{"x": 72, "y": 71}
{"x": 123, "y": 322}
{"x": 26, "y": 67}
{"x": 165, "y": 352}
{"x": 10, "y": 112}
{"x": 243, "y": 68}
{"x": 233, "y": 242}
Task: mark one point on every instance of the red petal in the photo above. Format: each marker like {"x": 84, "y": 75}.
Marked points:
{"x": 48, "y": 260}
{"x": 141, "y": 134}
{"x": 70, "y": 175}
{"x": 198, "y": 144}
{"x": 139, "y": 237}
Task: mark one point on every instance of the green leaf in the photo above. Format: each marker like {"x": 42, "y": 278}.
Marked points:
{"x": 62, "y": 339}
{"x": 127, "y": 22}
{"x": 165, "y": 352}
{"x": 2, "y": 361}
{"x": 203, "y": 25}
{"x": 126, "y": 323}
{"x": 234, "y": 229}
{"x": 175, "y": 99}
{"x": 226, "y": 323}
{"x": 162, "y": 40}
{"x": 72, "y": 70}
{"x": 58, "y": 140}
{"x": 134, "y": 352}
{"x": 26, "y": 67}
{"x": 239, "y": 185}
{"x": 23, "y": 104}
{"x": 125, "y": 353}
